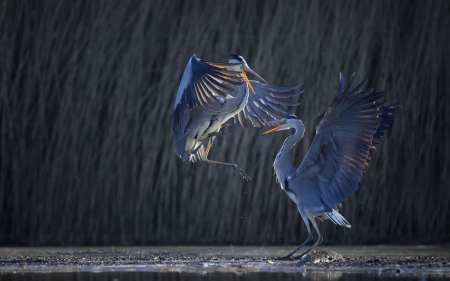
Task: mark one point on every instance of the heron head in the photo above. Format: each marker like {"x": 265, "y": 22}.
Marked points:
{"x": 234, "y": 58}
{"x": 282, "y": 124}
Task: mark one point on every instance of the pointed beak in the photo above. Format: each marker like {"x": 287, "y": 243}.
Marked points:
{"x": 249, "y": 70}
{"x": 278, "y": 128}
{"x": 247, "y": 81}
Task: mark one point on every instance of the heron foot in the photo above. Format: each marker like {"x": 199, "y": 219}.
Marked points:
{"x": 285, "y": 258}
{"x": 299, "y": 257}
{"x": 290, "y": 258}
{"x": 320, "y": 257}
{"x": 247, "y": 178}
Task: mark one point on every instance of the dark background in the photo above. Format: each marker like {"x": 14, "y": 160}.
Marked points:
{"x": 86, "y": 99}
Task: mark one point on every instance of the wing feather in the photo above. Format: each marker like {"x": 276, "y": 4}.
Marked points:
{"x": 201, "y": 89}
{"x": 266, "y": 104}
{"x": 202, "y": 82}
{"x": 216, "y": 87}
{"x": 346, "y": 139}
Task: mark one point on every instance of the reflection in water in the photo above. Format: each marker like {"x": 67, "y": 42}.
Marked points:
{"x": 216, "y": 276}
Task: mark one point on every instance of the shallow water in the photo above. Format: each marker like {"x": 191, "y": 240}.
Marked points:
{"x": 217, "y": 276}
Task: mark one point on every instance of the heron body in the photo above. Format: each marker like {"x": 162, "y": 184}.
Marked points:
{"x": 208, "y": 119}
{"x": 212, "y": 93}
{"x": 339, "y": 156}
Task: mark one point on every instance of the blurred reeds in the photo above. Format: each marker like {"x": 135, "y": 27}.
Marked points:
{"x": 86, "y": 95}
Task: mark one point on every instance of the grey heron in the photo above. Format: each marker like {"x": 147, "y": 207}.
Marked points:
{"x": 211, "y": 93}
{"x": 345, "y": 142}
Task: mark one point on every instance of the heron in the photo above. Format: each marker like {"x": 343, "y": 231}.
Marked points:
{"x": 212, "y": 93}
{"x": 345, "y": 141}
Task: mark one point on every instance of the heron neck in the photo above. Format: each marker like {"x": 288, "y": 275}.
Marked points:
{"x": 282, "y": 164}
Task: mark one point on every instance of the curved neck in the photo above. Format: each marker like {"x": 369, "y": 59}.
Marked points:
{"x": 282, "y": 164}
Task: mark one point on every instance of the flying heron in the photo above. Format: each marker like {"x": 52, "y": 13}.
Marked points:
{"x": 211, "y": 93}
{"x": 345, "y": 142}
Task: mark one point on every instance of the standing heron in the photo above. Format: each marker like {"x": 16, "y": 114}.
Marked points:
{"x": 210, "y": 94}
{"x": 345, "y": 142}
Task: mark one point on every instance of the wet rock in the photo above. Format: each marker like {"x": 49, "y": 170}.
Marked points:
{"x": 322, "y": 257}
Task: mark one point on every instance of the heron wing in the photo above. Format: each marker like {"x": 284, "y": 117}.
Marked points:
{"x": 346, "y": 139}
{"x": 266, "y": 104}
{"x": 202, "y": 83}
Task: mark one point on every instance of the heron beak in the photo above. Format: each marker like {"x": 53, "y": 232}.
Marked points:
{"x": 248, "y": 82}
{"x": 278, "y": 128}
{"x": 246, "y": 68}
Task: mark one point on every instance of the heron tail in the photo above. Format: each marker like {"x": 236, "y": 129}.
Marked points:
{"x": 180, "y": 149}
{"x": 338, "y": 219}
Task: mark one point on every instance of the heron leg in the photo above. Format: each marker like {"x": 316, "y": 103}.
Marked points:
{"x": 208, "y": 137}
{"x": 305, "y": 219}
{"x": 217, "y": 134}
{"x": 204, "y": 141}
{"x": 314, "y": 223}
{"x": 236, "y": 167}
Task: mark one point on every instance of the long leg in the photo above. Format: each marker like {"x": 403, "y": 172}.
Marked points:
{"x": 204, "y": 157}
{"x": 236, "y": 167}
{"x": 209, "y": 138}
{"x": 305, "y": 219}
{"x": 218, "y": 134}
{"x": 314, "y": 223}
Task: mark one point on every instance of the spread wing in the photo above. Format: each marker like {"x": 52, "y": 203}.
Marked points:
{"x": 201, "y": 84}
{"x": 345, "y": 141}
{"x": 266, "y": 104}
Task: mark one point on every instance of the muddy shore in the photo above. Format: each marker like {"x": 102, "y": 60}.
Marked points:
{"x": 221, "y": 259}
